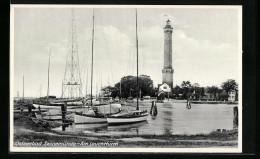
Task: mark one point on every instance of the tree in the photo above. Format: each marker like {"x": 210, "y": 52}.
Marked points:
{"x": 177, "y": 90}
{"x": 199, "y": 91}
{"x": 202, "y": 91}
{"x": 129, "y": 86}
{"x": 186, "y": 84}
{"x": 230, "y": 85}
{"x": 186, "y": 89}
{"x": 223, "y": 95}
{"x": 213, "y": 90}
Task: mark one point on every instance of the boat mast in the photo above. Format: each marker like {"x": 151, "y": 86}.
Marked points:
{"x": 41, "y": 91}
{"x": 92, "y": 61}
{"x": 137, "y": 104}
{"x": 48, "y": 76}
{"x": 100, "y": 92}
{"x": 96, "y": 89}
{"x": 120, "y": 89}
{"x": 87, "y": 85}
{"x": 23, "y": 88}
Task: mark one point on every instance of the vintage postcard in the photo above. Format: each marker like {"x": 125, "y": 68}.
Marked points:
{"x": 126, "y": 78}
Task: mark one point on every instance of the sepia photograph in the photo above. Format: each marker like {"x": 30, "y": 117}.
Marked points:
{"x": 126, "y": 78}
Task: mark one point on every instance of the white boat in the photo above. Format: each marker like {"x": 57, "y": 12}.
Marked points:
{"x": 43, "y": 106}
{"x": 133, "y": 116}
{"x": 44, "y": 116}
{"x": 46, "y": 106}
{"x": 128, "y": 117}
{"x": 99, "y": 116}
{"x": 107, "y": 109}
{"x": 89, "y": 119}
{"x": 52, "y": 117}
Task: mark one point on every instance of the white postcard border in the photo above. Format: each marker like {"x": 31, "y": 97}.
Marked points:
{"x": 136, "y": 150}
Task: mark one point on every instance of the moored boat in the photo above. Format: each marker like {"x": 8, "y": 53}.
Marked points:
{"x": 95, "y": 114}
{"x": 47, "y": 116}
{"x": 89, "y": 118}
{"x": 126, "y": 117}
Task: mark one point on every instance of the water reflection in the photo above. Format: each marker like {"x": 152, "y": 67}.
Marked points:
{"x": 133, "y": 129}
{"x": 172, "y": 118}
{"x": 153, "y": 117}
{"x": 93, "y": 127}
{"x": 127, "y": 127}
{"x": 81, "y": 127}
{"x": 168, "y": 120}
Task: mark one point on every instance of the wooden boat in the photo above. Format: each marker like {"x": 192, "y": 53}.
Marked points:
{"x": 132, "y": 116}
{"x": 47, "y": 117}
{"x": 90, "y": 118}
{"x": 97, "y": 114}
{"x": 128, "y": 118}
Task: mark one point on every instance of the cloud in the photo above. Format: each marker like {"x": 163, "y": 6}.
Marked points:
{"x": 204, "y": 45}
{"x": 208, "y": 61}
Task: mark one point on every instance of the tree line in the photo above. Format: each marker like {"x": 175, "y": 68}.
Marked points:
{"x": 186, "y": 90}
{"x": 129, "y": 88}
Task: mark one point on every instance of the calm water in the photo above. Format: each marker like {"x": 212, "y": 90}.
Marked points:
{"x": 172, "y": 118}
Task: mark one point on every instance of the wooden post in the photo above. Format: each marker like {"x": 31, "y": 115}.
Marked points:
{"x": 63, "y": 111}
{"x": 235, "y": 117}
{"x": 151, "y": 110}
{"x": 29, "y": 110}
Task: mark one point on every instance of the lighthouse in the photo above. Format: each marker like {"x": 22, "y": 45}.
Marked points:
{"x": 167, "y": 71}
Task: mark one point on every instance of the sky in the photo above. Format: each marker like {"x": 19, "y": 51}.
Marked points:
{"x": 205, "y": 46}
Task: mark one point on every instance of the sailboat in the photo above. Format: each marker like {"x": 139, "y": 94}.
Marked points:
{"x": 95, "y": 115}
{"x": 48, "y": 101}
{"x": 126, "y": 117}
{"x": 46, "y": 115}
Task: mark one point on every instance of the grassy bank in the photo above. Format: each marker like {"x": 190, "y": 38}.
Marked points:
{"x": 26, "y": 131}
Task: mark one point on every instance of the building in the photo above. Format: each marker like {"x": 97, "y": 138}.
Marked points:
{"x": 164, "y": 88}
{"x": 232, "y": 96}
{"x": 167, "y": 71}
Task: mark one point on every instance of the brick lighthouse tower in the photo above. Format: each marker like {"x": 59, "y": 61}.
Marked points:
{"x": 167, "y": 72}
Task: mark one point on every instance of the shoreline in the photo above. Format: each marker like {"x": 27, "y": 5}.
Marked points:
{"x": 26, "y": 131}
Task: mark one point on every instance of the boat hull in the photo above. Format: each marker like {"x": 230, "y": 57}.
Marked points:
{"x": 83, "y": 119}
{"x": 127, "y": 120}
{"x": 48, "y": 117}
